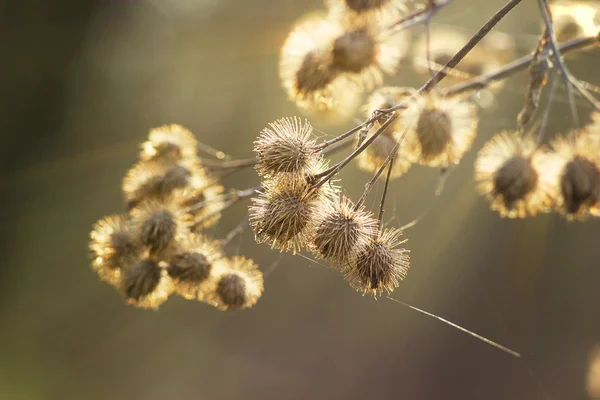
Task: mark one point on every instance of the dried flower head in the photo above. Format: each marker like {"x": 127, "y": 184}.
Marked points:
{"x": 157, "y": 180}
{"x": 239, "y": 284}
{"x": 169, "y": 143}
{"x": 381, "y": 265}
{"x": 159, "y": 224}
{"x": 441, "y": 128}
{"x": 514, "y": 175}
{"x": 114, "y": 247}
{"x": 191, "y": 266}
{"x": 574, "y": 19}
{"x": 376, "y": 12}
{"x": 306, "y": 69}
{"x": 341, "y": 231}
{"x": 286, "y": 145}
{"x": 362, "y": 56}
{"x": 578, "y": 177}
{"x": 280, "y": 215}
{"x": 146, "y": 284}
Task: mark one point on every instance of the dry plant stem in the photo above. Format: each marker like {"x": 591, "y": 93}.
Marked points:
{"x": 234, "y": 197}
{"x": 570, "y": 80}
{"x": 369, "y": 185}
{"x": 488, "y": 341}
{"x": 328, "y": 174}
{"x": 544, "y": 123}
{"x": 385, "y": 189}
{"x": 234, "y": 232}
{"x": 420, "y": 16}
{"x": 476, "y": 38}
{"x": 513, "y": 67}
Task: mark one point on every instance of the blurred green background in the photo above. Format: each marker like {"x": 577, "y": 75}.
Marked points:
{"x": 83, "y": 81}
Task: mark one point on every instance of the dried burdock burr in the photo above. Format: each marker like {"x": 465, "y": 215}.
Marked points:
{"x": 381, "y": 265}
{"x": 239, "y": 284}
{"x": 515, "y": 175}
{"x": 441, "y": 129}
{"x": 286, "y": 145}
{"x": 145, "y": 283}
{"x": 574, "y": 19}
{"x": 169, "y": 143}
{"x": 341, "y": 231}
{"x": 192, "y": 266}
{"x": 157, "y": 180}
{"x": 281, "y": 213}
{"x": 577, "y": 181}
{"x": 159, "y": 224}
{"x": 114, "y": 246}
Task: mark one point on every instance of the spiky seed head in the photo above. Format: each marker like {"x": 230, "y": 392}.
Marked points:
{"x": 239, "y": 284}
{"x": 286, "y": 145}
{"x": 159, "y": 224}
{"x": 354, "y": 50}
{"x": 192, "y": 266}
{"x": 574, "y": 19}
{"x": 381, "y": 265}
{"x": 577, "y": 181}
{"x": 169, "y": 143}
{"x": 515, "y": 175}
{"x": 340, "y": 231}
{"x": 113, "y": 246}
{"x": 157, "y": 180}
{"x": 281, "y": 214}
{"x": 441, "y": 128}
{"x": 305, "y": 66}
{"x": 146, "y": 284}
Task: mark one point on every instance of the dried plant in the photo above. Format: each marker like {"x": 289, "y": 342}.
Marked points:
{"x": 161, "y": 246}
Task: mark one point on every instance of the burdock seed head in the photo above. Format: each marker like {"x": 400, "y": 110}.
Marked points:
{"x": 169, "y": 143}
{"x": 114, "y": 247}
{"x": 578, "y": 177}
{"x": 285, "y": 146}
{"x": 159, "y": 224}
{"x": 146, "y": 284}
{"x": 514, "y": 175}
{"x": 281, "y": 214}
{"x": 239, "y": 284}
{"x": 157, "y": 180}
{"x": 341, "y": 231}
{"x": 381, "y": 265}
{"x": 442, "y": 127}
{"x": 191, "y": 267}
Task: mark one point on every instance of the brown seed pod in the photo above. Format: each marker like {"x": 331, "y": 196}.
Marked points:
{"x": 286, "y": 145}
{"x": 578, "y": 179}
{"x": 514, "y": 175}
{"x": 192, "y": 266}
{"x": 159, "y": 225}
{"x": 340, "y": 231}
{"x": 146, "y": 284}
{"x": 281, "y": 214}
{"x": 381, "y": 265}
{"x": 113, "y": 246}
{"x": 574, "y": 19}
{"x": 441, "y": 128}
{"x": 169, "y": 143}
{"x": 239, "y": 284}
{"x": 157, "y": 180}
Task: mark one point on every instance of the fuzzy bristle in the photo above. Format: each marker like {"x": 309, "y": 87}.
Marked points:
{"x": 239, "y": 284}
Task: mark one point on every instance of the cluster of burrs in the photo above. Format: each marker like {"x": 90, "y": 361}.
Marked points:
{"x": 160, "y": 247}
{"x": 299, "y": 208}
{"x": 522, "y": 178}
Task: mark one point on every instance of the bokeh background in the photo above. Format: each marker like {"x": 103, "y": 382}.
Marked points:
{"x": 83, "y": 81}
